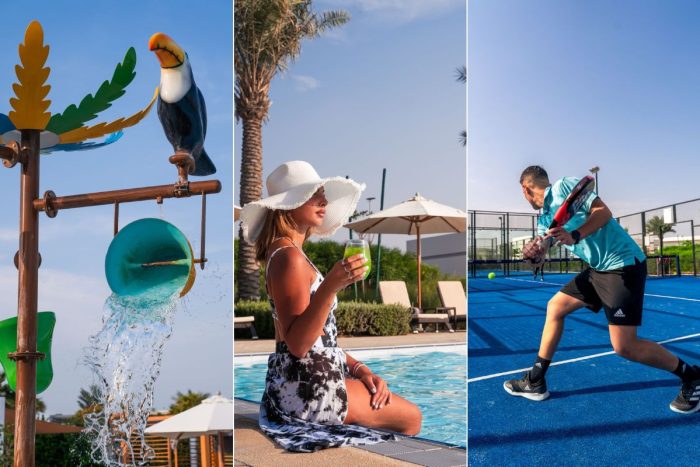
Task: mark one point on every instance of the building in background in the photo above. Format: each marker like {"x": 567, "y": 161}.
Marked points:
{"x": 447, "y": 252}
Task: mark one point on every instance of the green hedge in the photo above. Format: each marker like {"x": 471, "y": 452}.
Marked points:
{"x": 56, "y": 450}
{"x": 353, "y": 319}
{"x": 372, "y": 319}
{"x": 264, "y": 325}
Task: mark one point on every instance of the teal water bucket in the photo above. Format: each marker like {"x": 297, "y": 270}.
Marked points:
{"x": 150, "y": 256}
{"x": 8, "y": 343}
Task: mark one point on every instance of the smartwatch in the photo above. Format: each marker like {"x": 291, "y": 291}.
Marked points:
{"x": 576, "y": 235}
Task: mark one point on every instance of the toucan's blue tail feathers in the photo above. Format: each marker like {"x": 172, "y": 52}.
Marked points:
{"x": 203, "y": 165}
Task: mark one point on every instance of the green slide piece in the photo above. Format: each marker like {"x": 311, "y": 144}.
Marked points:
{"x": 150, "y": 256}
{"x": 8, "y": 343}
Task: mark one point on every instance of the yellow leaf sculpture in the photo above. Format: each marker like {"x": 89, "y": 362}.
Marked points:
{"x": 101, "y": 129}
{"x": 30, "y": 106}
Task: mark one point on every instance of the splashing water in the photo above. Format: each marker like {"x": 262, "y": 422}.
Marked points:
{"x": 125, "y": 356}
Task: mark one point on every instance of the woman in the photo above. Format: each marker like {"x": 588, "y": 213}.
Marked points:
{"x": 316, "y": 395}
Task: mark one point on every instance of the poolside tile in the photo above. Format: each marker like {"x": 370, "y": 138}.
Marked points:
{"x": 389, "y": 448}
{"x": 446, "y": 457}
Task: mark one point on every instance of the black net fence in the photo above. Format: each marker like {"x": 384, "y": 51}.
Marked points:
{"x": 667, "y": 235}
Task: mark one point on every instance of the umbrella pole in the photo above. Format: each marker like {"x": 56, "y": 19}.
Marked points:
{"x": 420, "y": 302}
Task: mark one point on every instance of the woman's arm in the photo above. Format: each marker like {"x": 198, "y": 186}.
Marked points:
{"x": 301, "y": 316}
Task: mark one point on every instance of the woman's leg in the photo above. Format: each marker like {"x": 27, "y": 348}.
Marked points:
{"x": 400, "y": 415}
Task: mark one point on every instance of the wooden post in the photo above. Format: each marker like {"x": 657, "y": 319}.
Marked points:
{"x": 204, "y": 451}
{"x": 220, "y": 448}
{"x": 26, "y": 355}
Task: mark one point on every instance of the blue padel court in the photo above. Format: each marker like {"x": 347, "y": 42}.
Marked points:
{"x": 603, "y": 410}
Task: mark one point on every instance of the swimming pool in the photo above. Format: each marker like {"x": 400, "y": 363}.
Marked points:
{"x": 433, "y": 377}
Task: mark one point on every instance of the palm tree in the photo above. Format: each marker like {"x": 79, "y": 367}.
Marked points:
{"x": 462, "y": 78}
{"x": 657, "y": 226}
{"x": 9, "y": 395}
{"x": 90, "y": 398}
{"x": 186, "y": 401}
{"x": 268, "y": 36}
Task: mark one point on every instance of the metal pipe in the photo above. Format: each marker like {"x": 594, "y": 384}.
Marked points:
{"x": 116, "y": 218}
{"x": 126, "y": 196}
{"x": 203, "y": 232}
{"x": 692, "y": 243}
{"x": 26, "y": 355}
{"x": 379, "y": 241}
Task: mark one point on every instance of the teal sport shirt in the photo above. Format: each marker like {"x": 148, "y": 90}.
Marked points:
{"x": 608, "y": 248}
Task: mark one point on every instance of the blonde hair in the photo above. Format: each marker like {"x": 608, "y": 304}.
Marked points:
{"x": 278, "y": 223}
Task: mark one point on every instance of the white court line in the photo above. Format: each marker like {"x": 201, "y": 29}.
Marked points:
{"x": 572, "y": 360}
{"x": 672, "y": 297}
{"x": 646, "y": 294}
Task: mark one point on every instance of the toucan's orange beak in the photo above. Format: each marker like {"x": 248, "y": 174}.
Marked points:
{"x": 169, "y": 54}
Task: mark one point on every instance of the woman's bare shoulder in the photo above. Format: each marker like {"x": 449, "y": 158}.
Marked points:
{"x": 286, "y": 261}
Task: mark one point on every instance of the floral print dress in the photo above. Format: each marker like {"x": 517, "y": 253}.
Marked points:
{"x": 305, "y": 401}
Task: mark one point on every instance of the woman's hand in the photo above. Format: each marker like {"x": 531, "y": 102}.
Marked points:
{"x": 346, "y": 272}
{"x": 376, "y": 386}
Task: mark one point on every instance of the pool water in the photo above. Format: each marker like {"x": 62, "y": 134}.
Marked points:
{"x": 435, "y": 381}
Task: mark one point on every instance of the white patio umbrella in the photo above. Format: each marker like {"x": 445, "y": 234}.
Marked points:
{"x": 236, "y": 212}
{"x": 413, "y": 216}
{"x": 213, "y": 416}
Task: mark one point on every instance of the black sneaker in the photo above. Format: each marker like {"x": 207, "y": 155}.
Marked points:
{"x": 523, "y": 387}
{"x": 688, "y": 399}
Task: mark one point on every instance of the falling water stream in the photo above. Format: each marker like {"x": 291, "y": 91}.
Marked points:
{"x": 125, "y": 357}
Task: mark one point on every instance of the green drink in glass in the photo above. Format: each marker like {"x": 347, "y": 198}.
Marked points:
{"x": 359, "y": 246}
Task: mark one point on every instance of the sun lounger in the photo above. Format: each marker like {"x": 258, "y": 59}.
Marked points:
{"x": 243, "y": 322}
{"x": 395, "y": 292}
{"x": 453, "y": 300}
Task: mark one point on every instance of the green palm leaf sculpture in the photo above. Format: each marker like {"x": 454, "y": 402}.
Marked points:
{"x": 74, "y": 117}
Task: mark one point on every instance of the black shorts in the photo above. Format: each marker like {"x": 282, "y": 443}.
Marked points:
{"x": 619, "y": 291}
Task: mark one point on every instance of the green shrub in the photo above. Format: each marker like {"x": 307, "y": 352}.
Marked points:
{"x": 264, "y": 324}
{"x": 353, "y": 319}
{"x": 372, "y": 319}
{"x": 55, "y": 450}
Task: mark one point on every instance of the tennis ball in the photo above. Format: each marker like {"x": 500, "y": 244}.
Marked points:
{"x": 492, "y": 275}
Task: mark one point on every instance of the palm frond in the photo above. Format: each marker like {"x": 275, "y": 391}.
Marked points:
{"x": 331, "y": 19}
{"x": 461, "y": 74}
{"x": 463, "y": 137}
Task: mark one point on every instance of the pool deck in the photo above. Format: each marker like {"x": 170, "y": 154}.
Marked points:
{"x": 253, "y": 448}
{"x": 261, "y": 346}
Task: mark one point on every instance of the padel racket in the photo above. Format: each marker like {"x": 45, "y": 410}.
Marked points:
{"x": 568, "y": 208}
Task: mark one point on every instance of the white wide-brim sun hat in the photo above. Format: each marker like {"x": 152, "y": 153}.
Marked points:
{"x": 291, "y": 185}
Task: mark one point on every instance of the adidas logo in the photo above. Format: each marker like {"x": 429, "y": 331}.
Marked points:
{"x": 619, "y": 314}
{"x": 538, "y": 365}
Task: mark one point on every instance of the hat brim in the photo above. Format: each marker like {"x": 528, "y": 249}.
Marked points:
{"x": 341, "y": 193}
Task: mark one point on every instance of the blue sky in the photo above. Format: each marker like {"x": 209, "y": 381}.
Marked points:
{"x": 87, "y": 40}
{"x": 571, "y": 84}
{"x": 379, "y": 92}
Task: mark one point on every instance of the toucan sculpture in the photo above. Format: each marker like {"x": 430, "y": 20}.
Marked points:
{"x": 181, "y": 107}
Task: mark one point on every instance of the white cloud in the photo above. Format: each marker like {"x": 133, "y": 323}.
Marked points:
{"x": 305, "y": 83}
